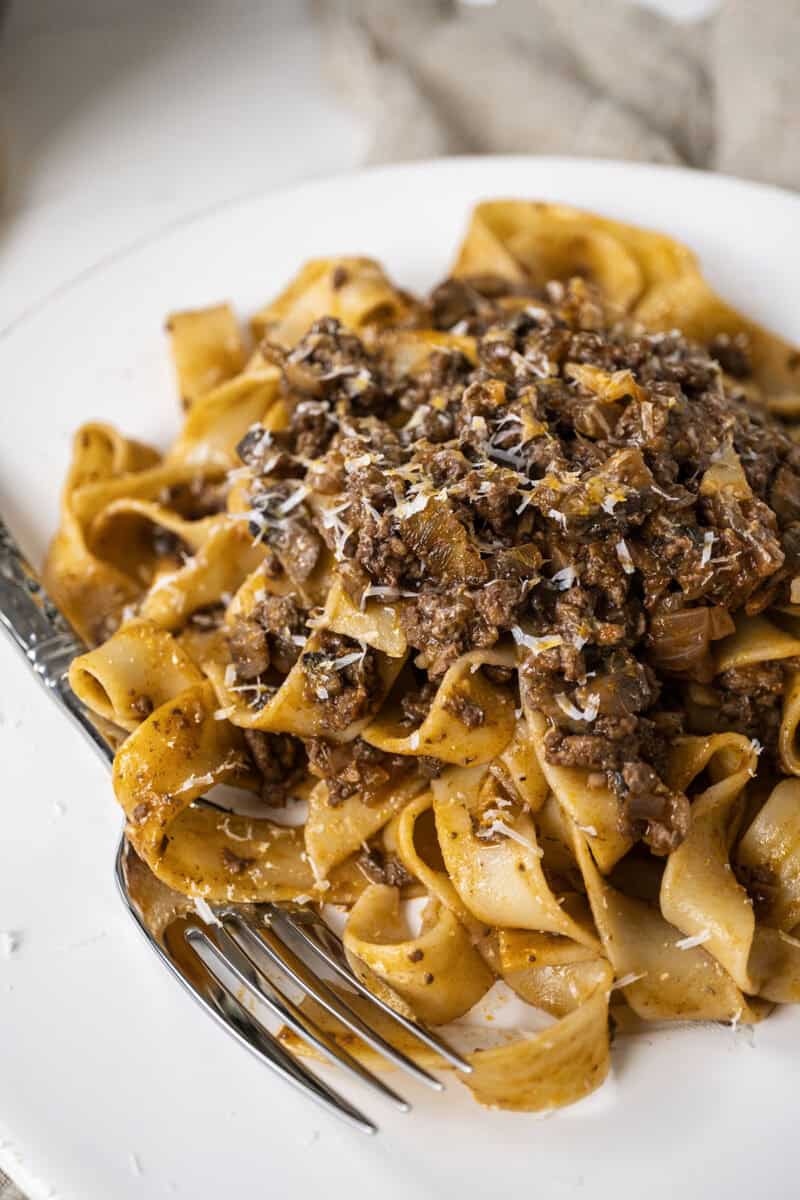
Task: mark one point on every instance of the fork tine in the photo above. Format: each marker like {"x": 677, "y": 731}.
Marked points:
{"x": 330, "y": 949}
{"x": 219, "y": 1001}
{"x": 235, "y": 957}
{"x": 282, "y": 955}
{"x": 231, "y": 1015}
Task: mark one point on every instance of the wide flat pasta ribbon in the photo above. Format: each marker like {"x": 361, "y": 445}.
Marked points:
{"x": 550, "y": 1069}
{"x": 700, "y": 895}
{"x": 91, "y": 593}
{"x": 334, "y": 832}
{"x": 219, "y": 555}
{"x": 663, "y": 977}
{"x": 647, "y": 275}
{"x": 548, "y": 970}
{"x": 218, "y": 420}
{"x": 171, "y": 760}
{"x": 137, "y": 670}
{"x": 594, "y": 808}
{"x": 375, "y": 623}
{"x": 354, "y": 290}
{"x": 207, "y": 349}
{"x": 772, "y": 845}
{"x": 407, "y": 352}
{"x": 527, "y": 1073}
{"x": 108, "y": 478}
{"x": 225, "y": 559}
{"x": 290, "y": 709}
{"x": 442, "y": 734}
{"x": 438, "y": 973}
{"x": 441, "y": 976}
{"x": 756, "y": 640}
{"x": 501, "y": 881}
{"x": 401, "y": 835}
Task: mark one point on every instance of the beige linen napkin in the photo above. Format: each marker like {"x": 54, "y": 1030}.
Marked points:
{"x": 583, "y": 77}
{"x": 8, "y": 1189}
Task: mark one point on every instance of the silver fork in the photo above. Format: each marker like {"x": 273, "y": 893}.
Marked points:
{"x": 244, "y": 946}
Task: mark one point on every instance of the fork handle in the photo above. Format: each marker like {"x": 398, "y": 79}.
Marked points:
{"x": 42, "y": 633}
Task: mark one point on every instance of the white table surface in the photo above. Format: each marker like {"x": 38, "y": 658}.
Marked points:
{"x": 125, "y": 117}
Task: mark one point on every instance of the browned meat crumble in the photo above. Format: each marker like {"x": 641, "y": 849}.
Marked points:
{"x": 271, "y": 636}
{"x": 571, "y": 479}
{"x": 280, "y": 759}
{"x": 343, "y": 676}
{"x": 354, "y": 767}
{"x": 380, "y": 867}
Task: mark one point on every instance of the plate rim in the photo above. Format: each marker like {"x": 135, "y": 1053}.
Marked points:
{"x": 351, "y": 175}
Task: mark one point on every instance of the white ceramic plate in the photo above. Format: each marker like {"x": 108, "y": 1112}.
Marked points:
{"x": 113, "y": 1085}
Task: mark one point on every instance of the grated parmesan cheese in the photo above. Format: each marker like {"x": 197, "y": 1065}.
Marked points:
{"x": 557, "y": 516}
{"x": 535, "y": 644}
{"x": 564, "y": 578}
{"x": 236, "y": 837}
{"x": 609, "y": 502}
{"x": 626, "y": 980}
{"x": 296, "y": 498}
{"x": 417, "y": 417}
{"x": 708, "y": 541}
{"x": 579, "y": 714}
{"x": 664, "y": 495}
{"x": 500, "y": 827}
{"x": 347, "y": 660}
{"x": 698, "y": 939}
{"x": 354, "y": 464}
{"x": 410, "y": 507}
{"x": 624, "y": 556}
{"x": 329, "y": 515}
{"x": 509, "y": 419}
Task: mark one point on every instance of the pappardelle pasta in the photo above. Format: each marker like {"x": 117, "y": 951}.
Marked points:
{"x": 503, "y": 586}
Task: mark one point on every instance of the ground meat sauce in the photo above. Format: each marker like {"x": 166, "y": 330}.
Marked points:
{"x": 415, "y": 703}
{"x": 381, "y": 867}
{"x": 546, "y": 473}
{"x": 343, "y": 676}
{"x": 465, "y": 710}
{"x": 280, "y": 759}
{"x": 270, "y": 636}
{"x": 354, "y": 767}
{"x": 750, "y": 699}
